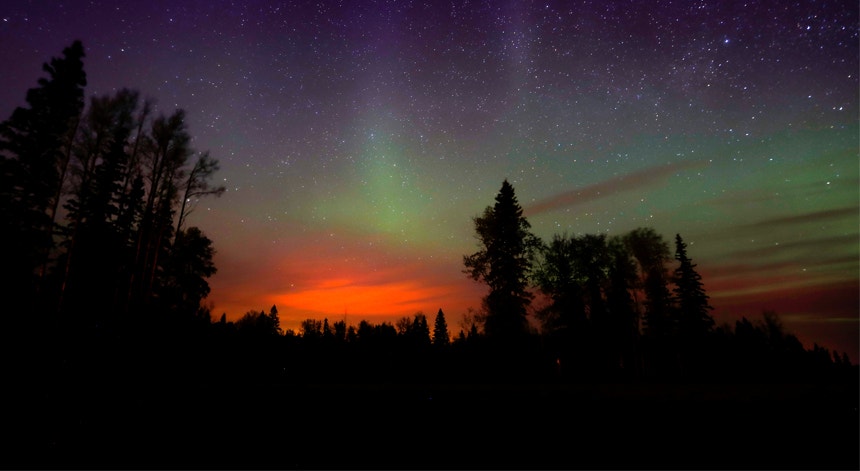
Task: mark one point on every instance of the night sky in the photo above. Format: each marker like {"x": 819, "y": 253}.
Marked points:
{"x": 358, "y": 139}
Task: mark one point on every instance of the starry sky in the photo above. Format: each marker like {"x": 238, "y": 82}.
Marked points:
{"x": 358, "y": 139}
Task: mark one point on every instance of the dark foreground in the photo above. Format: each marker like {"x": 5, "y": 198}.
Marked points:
{"x": 288, "y": 425}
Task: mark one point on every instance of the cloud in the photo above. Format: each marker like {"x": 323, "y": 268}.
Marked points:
{"x": 826, "y": 215}
{"x": 629, "y": 182}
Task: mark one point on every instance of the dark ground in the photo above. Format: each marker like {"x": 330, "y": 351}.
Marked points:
{"x": 180, "y": 425}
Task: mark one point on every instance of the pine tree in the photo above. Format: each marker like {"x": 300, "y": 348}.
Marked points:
{"x": 440, "y": 330}
{"x": 694, "y": 319}
{"x": 275, "y": 320}
{"x": 504, "y": 263}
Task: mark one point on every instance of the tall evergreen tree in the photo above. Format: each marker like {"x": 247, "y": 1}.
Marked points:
{"x": 504, "y": 262}
{"x": 275, "y": 320}
{"x": 440, "y": 330}
{"x": 694, "y": 319}
{"x": 35, "y": 144}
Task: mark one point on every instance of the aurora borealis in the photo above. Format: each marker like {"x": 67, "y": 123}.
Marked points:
{"x": 358, "y": 139}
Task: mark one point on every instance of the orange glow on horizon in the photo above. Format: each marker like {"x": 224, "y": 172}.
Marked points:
{"x": 312, "y": 279}
{"x": 345, "y": 296}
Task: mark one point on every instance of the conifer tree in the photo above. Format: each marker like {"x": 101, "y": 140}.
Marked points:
{"x": 420, "y": 331}
{"x": 504, "y": 262}
{"x": 275, "y": 320}
{"x": 440, "y": 330}
{"x": 694, "y": 319}
{"x": 35, "y": 145}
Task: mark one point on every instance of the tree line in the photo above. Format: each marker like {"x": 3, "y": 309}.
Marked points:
{"x": 94, "y": 197}
{"x": 622, "y": 307}
{"x": 625, "y": 304}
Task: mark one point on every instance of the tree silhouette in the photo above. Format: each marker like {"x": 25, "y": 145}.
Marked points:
{"x": 420, "y": 331}
{"x": 197, "y": 185}
{"x": 311, "y": 329}
{"x": 623, "y": 320}
{"x": 415, "y": 331}
{"x": 166, "y": 150}
{"x": 95, "y": 238}
{"x": 590, "y": 317}
{"x": 35, "y": 147}
{"x": 558, "y": 277}
{"x": 504, "y": 262}
{"x": 403, "y": 325}
{"x": 275, "y": 320}
{"x": 440, "y": 330}
{"x": 694, "y": 319}
{"x": 259, "y": 324}
{"x": 561, "y": 276}
{"x": 340, "y": 331}
{"x": 652, "y": 253}
{"x": 185, "y": 269}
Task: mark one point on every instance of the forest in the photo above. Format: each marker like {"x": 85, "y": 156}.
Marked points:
{"x": 588, "y": 351}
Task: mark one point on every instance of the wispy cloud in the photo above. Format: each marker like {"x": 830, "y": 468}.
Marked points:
{"x": 817, "y": 216}
{"x": 632, "y": 181}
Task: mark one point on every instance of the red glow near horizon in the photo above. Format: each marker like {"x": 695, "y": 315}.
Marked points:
{"x": 390, "y": 296}
{"x": 319, "y": 277}
{"x": 341, "y": 295}
{"x": 314, "y": 280}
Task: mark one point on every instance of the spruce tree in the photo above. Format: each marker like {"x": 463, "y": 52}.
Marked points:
{"x": 504, "y": 262}
{"x": 694, "y": 318}
{"x": 440, "y": 330}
